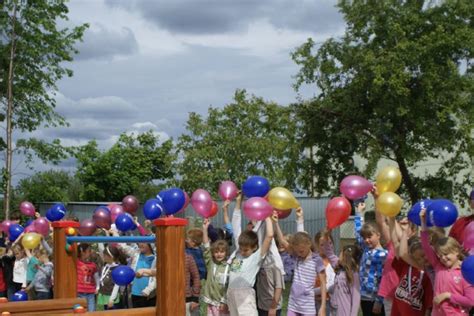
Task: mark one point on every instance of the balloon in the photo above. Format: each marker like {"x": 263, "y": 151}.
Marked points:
{"x": 27, "y": 209}
{"x": 115, "y": 210}
{"x": 338, "y": 211}
{"x": 214, "y": 209}
{"x": 467, "y": 269}
{"x": 15, "y": 231}
{"x": 41, "y": 226}
{"x": 468, "y": 242}
{"x": 389, "y": 204}
{"x": 202, "y": 202}
{"x": 20, "y": 296}
{"x": 123, "y": 275}
{"x": 186, "y": 202}
{"x": 152, "y": 209}
{"x": 256, "y": 186}
{"x": 30, "y": 229}
{"x": 388, "y": 179}
{"x": 228, "y": 190}
{"x": 355, "y": 187}
{"x": 161, "y": 196}
{"x": 414, "y": 213}
{"x": 282, "y": 199}
{"x": 56, "y": 212}
{"x": 102, "y": 218}
{"x": 173, "y": 200}
{"x": 124, "y": 222}
{"x": 6, "y": 226}
{"x": 283, "y": 213}
{"x": 87, "y": 227}
{"x": 257, "y": 208}
{"x": 31, "y": 240}
{"x": 130, "y": 204}
{"x": 443, "y": 212}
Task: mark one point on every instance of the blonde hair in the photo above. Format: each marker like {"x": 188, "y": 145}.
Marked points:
{"x": 301, "y": 238}
{"x": 220, "y": 245}
{"x": 449, "y": 245}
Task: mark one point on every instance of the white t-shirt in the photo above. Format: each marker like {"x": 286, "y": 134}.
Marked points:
{"x": 243, "y": 271}
{"x": 19, "y": 271}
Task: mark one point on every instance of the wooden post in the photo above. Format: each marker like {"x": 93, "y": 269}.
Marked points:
{"x": 65, "y": 276}
{"x": 170, "y": 266}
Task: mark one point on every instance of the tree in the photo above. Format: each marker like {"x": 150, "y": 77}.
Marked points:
{"x": 397, "y": 85}
{"x": 132, "y": 165}
{"x": 33, "y": 49}
{"x": 52, "y": 186}
{"x": 247, "y": 137}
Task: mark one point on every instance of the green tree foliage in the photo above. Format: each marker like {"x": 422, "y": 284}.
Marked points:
{"x": 247, "y": 137}
{"x": 34, "y": 47}
{"x": 51, "y": 186}
{"x": 131, "y": 166}
{"x": 397, "y": 85}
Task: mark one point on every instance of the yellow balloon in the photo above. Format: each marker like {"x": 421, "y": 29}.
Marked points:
{"x": 388, "y": 180}
{"x": 389, "y": 204}
{"x": 282, "y": 199}
{"x": 31, "y": 240}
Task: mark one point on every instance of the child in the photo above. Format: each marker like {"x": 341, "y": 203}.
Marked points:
{"x": 193, "y": 286}
{"x": 108, "y": 292}
{"x": 371, "y": 265}
{"x": 42, "y": 282}
{"x": 243, "y": 271}
{"x": 319, "y": 241}
{"x": 19, "y": 269}
{"x": 87, "y": 276}
{"x": 215, "y": 256}
{"x": 453, "y": 294}
{"x": 270, "y": 285}
{"x": 193, "y": 248}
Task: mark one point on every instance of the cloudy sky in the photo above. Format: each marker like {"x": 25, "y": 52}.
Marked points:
{"x": 146, "y": 64}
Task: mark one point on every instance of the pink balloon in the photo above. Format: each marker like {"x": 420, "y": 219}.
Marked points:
{"x": 30, "y": 229}
{"x": 26, "y": 208}
{"x": 115, "y": 210}
{"x": 186, "y": 202}
{"x": 228, "y": 190}
{"x": 257, "y": 208}
{"x": 202, "y": 202}
{"x": 355, "y": 187}
{"x": 87, "y": 227}
{"x": 6, "y": 226}
{"x": 102, "y": 218}
{"x": 130, "y": 204}
{"x": 41, "y": 225}
{"x": 468, "y": 242}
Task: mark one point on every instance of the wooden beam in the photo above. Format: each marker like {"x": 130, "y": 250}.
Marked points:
{"x": 42, "y": 306}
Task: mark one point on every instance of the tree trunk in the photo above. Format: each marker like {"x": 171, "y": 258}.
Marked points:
{"x": 9, "y": 116}
{"x": 407, "y": 179}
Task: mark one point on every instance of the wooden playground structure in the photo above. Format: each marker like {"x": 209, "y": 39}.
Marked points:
{"x": 170, "y": 285}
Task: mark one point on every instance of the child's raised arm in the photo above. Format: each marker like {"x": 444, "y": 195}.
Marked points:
{"x": 279, "y": 234}
{"x": 205, "y": 236}
{"x": 358, "y": 222}
{"x": 268, "y": 236}
{"x": 328, "y": 248}
{"x": 425, "y": 243}
{"x": 237, "y": 218}
{"x": 299, "y": 219}
{"x": 402, "y": 251}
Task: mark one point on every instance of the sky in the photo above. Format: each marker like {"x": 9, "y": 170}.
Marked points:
{"x": 145, "y": 65}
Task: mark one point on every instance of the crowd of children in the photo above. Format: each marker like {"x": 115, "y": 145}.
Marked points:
{"x": 392, "y": 269}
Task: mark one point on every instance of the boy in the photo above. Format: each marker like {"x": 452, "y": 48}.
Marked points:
{"x": 41, "y": 283}
{"x": 270, "y": 285}
{"x": 193, "y": 248}
{"x": 371, "y": 264}
{"x": 244, "y": 267}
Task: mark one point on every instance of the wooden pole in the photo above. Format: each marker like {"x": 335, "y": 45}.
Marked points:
{"x": 170, "y": 266}
{"x": 65, "y": 275}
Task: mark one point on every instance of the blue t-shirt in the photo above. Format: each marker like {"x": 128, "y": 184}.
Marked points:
{"x": 198, "y": 256}
{"x": 139, "y": 284}
{"x": 31, "y": 269}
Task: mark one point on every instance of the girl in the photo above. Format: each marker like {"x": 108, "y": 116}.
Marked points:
{"x": 453, "y": 294}
{"x": 19, "y": 269}
{"x": 308, "y": 265}
{"x": 108, "y": 292}
{"x": 319, "y": 241}
{"x": 87, "y": 276}
{"x": 218, "y": 272}
{"x": 42, "y": 281}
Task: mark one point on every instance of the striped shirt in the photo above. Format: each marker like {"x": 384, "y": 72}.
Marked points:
{"x": 302, "y": 297}
{"x": 371, "y": 266}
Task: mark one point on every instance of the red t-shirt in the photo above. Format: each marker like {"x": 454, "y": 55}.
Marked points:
{"x": 3, "y": 286}
{"x": 85, "y": 277}
{"x": 457, "y": 230}
{"x": 413, "y": 297}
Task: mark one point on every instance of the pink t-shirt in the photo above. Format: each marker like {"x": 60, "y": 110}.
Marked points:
{"x": 448, "y": 280}
{"x": 85, "y": 276}
{"x": 390, "y": 278}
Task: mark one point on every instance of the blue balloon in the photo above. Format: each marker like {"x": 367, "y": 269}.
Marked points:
{"x": 15, "y": 231}
{"x": 20, "y": 296}
{"x": 173, "y": 200}
{"x": 256, "y": 186}
{"x": 152, "y": 209}
{"x": 123, "y": 275}
{"x": 124, "y": 222}
{"x": 56, "y": 212}
{"x": 414, "y": 213}
{"x": 467, "y": 269}
{"x": 443, "y": 212}
{"x": 161, "y": 196}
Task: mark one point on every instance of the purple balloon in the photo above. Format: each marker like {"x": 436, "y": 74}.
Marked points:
{"x": 102, "y": 217}
{"x": 6, "y": 226}
{"x": 87, "y": 227}
{"x": 26, "y": 208}
{"x": 130, "y": 204}
{"x": 257, "y": 208}
{"x": 115, "y": 210}
{"x": 355, "y": 187}
{"x": 30, "y": 229}
{"x": 228, "y": 190}
{"x": 201, "y": 201}
{"x": 41, "y": 225}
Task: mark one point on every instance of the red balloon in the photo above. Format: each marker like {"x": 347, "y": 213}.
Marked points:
{"x": 214, "y": 209}
{"x": 102, "y": 218}
{"x": 130, "y": 204}
{"x": 87, "y": 227}
{"x": 186, "y": 202}
{"x": 283, "y": 213}
{"x": 338, "y": 211}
